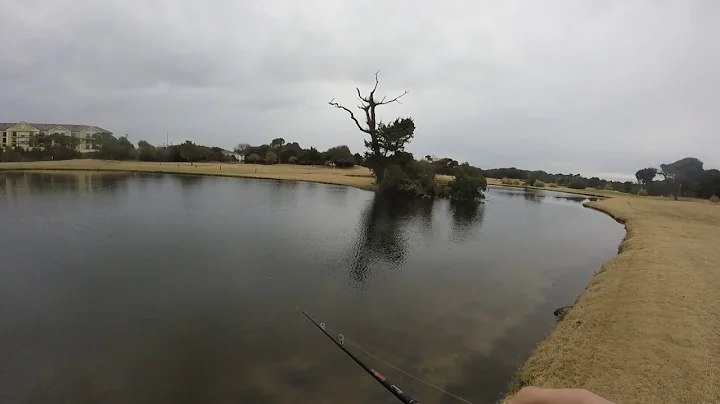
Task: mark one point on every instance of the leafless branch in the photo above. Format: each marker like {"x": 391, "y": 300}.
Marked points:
{"x": 360, "y": 95}
{"x": 372, "y": 93}
{"x": 383, "y": 102}
{"x": 352, "y": 116}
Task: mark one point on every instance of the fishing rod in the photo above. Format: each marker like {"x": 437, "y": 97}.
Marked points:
{"x": 340, "y": 342}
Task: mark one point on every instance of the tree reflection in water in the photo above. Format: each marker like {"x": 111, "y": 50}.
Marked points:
{"x": 383, "y": 234}
{"x": 466, "y": 217}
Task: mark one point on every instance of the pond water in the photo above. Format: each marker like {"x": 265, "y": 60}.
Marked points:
{"x": 142, "y": 288}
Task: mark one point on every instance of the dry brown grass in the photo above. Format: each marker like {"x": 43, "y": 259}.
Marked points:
{"x": 646, "y": 328}
{"x": 359, "y": 177}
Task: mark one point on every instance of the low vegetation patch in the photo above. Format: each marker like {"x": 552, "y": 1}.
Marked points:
{"x": 642, "y": 192}
{"x": 714, "y": 199}
{"x": 577, "y": 183}
{"x": 553, "y": 185}
{"x": 539, "y": 184}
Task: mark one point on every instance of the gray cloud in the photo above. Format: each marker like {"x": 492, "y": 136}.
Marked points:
{"x": 585, "y": 86}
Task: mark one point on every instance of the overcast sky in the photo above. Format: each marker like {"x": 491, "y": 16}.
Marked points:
{"x": 596, "y": 87}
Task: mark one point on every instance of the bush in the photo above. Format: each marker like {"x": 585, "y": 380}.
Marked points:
{"x": 253, "y": 158}
{"x": 293, "y": 160}
{"x": 714, "y": 199}
{"x": 466, "y": 187}
{"x": 608, "y": 187}
{"x": 642, "y": 192}
{"x": 506, "y": 181}
{"x": 577, "y": 183}
{"x": 270, "y": 157}
{"x": 516, "y": 182}
{"x": 539, "y": 184}
{"x": 553, "y": 185}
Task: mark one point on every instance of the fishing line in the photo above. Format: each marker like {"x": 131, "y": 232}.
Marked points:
{"x": 340, "y": 341}
{"x": 361, "y": 349}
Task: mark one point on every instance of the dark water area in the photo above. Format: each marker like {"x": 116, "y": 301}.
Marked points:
{"x": 142, "y": 288}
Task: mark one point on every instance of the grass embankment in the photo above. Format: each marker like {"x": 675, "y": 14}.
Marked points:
{"x": 647, "y": 328}
{"x": 359, "y": 177}
{"x": 588, "y": 191}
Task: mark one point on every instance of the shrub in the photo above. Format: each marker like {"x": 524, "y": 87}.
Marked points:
{"x": 538, "y": 184}
{"x": 293, "y": 160}
{"x": 642, "y": 192}
{"x": 506, "y": 181}
{"x": 466, "y": 187}
{"x": 270, "y": 157}
{"x": 609, "y": 187}
{"x": 253, "y": 158}
{"x": 577, "y": 183}
{"x": 516, "y": 182}
{"x": 553, "y": 185}
{"x": 714, "y": 199}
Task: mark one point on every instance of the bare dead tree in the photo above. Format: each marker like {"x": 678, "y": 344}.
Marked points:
{"x": 367, "y": 106}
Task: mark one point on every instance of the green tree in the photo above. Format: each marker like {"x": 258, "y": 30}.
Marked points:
{"x": 110, "y": 147}
{"x": 709, "y": 184}
{"x": 646, "y": 175}
{"x": 376, "y": 158}
{"x": 683, "y": 175}
{"x": 270, "y": 157}
{"x": 146, "y": 151}
{"x": 595, "y": 182}
{"x": 311, "y": 156}
{"x": 358, "y": 158}
{"x": 339, "y": 154}
{"x": 444, "y": 165}
{"x": 468, "y": 183}
{"x": 288, "y": 151}
{"x": 277, "y": 142}
{"x": 241, "y": 147}
{"x": 577, "y": 183}
{"x": 253, "y": 158}
{"x": 531, "y": 178}
{"x": 389, "y": 145}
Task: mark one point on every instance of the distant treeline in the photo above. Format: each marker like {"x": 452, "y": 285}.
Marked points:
{"x": 531, "y": 177}
{"x": 279, "y": 151}
{"x": 685, "y": 177}
{"x": 109, "y": 147}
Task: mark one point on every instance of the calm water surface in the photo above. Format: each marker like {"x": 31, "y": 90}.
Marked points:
{"x": 138, "y": 288}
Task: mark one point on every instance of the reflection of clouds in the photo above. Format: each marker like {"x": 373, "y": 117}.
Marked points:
{"x": 467, "y": 217}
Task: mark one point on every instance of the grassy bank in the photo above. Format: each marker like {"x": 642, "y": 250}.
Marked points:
{"x": 646, "y": 328}
{"x": 588, "y": 191}
{"x": 359, "y": 177}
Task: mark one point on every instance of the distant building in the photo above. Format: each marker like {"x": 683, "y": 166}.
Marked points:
{"x": 229, "y": 153}
{"x": 18, "y": 134}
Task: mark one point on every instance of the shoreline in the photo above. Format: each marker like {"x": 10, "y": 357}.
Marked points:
{"x": 644, "y": 328}
{"x": 358, "y": 177}
{"x": 314, "y": 174}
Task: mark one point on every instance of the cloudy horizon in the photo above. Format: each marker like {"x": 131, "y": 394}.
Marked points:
{"x": 592, "y": 87}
